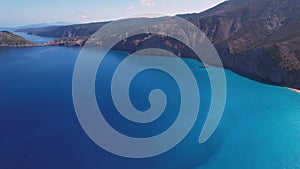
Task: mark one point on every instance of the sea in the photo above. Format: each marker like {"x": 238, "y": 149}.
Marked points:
{"x": 39, "y": 128}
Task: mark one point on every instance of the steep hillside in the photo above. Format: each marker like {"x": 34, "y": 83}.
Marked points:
{"x": 255, "y": 38}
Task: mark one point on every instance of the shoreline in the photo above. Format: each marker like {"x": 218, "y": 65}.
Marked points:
{"x": 294, "y": 90}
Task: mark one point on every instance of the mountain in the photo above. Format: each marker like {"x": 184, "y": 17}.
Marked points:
{"x": 42, "y": 25}
{"x": 65, "y": 31}
{"x": 8, "y": 39}
{"x": 259, "y": 39}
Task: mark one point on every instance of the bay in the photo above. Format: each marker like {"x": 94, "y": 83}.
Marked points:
{"x": 260, "y": 127}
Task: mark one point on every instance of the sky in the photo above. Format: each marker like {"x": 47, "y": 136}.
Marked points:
{"x": 26, "y": 12}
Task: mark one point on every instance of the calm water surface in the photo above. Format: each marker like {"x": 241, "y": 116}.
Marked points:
{"x": 39, "y": 129}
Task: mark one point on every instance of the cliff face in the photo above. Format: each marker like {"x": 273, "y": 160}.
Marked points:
{"x": 259, "y": 39}
{"x": 8, "y": 39}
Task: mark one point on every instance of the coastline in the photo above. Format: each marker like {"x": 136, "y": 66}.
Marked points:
{"x": 294, "y": 90}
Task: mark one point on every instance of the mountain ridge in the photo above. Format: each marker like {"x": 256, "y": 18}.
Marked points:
{"x": 258, "y": 39}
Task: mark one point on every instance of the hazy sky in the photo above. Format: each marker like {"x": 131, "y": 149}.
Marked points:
{"x": 22, "y": 12}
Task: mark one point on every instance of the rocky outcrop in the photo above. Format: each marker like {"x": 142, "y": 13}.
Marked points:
{"x": 8, "y": 39}
{"x": 70, "y": 41}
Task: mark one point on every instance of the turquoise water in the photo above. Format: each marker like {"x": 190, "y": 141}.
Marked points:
{"x": 260, "y": 127}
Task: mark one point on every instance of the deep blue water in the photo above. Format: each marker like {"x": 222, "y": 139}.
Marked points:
{"x": 260, "y": 127}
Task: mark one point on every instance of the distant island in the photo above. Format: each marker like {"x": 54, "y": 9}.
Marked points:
{"x": 259, "y": 39}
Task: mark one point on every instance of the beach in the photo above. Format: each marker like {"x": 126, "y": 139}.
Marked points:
{"x": 295, "y": 90}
